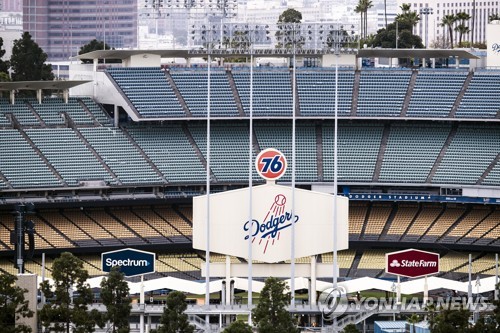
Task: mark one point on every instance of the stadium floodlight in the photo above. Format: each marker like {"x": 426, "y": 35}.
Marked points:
{"x": 426, "y": 11}
{"x": 287, "y": 39}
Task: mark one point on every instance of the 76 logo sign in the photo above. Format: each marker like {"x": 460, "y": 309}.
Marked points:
{"x": 271, "y": 164}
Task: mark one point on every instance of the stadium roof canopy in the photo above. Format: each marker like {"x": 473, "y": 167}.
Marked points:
{"x": 368, "y": 53}
{"x": 415, "y": 53}
{"x": 124, "y": 54}
{"x": 37, "y": 85}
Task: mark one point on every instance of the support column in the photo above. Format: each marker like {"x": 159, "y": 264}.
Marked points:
{"x": 12, "y": 97}
{"x": 116, "y": 115}
{"x": 142, "y": 306}
{"x": 39, "y": 95}
{"x": 398, "y": 291}
{"x": 496, "y": 276}
{"x": 312, "y": 291}
{"x": 426, "y": 291}
{"x": 28, "y": 282}
{"x": 469, "y": 289}
{"x": 66, "y": 95}
{"x": 148, "y": 326}
{"x": 96, "y": 61}
{"x": 228, "y": 280}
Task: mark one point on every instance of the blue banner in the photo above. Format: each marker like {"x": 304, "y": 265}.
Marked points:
{"x": 131, "y": 262}
{"x": 422, "y": 198}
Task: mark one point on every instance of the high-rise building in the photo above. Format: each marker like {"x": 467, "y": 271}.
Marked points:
{"x": 61, "y": 27}
{"x": 432, "y": 12}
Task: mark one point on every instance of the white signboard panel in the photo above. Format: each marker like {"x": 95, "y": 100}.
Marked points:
{"x": 493, "y": 38}
{"x": 272, "y": 220}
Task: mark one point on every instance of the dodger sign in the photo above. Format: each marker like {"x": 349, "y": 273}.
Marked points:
{"x": 131, "y": 262}
{"x": 271, "y": 164}
{"x": 412, "y": 263}
{"x": 270, "y": 229}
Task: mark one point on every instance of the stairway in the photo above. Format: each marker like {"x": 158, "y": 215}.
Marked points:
{"x": 409, "y": 92}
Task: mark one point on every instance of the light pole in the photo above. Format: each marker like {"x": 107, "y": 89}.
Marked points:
{"x": 426, "y": 11}
{"x": 156, "y": 6}
{"x": 21, "y": 228}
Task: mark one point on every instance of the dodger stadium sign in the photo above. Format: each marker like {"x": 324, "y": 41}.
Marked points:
{"x": 272, "y": 219}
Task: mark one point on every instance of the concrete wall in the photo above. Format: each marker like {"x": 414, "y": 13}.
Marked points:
{"x": 143, "y": 60}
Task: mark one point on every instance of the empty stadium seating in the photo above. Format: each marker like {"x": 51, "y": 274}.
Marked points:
{"x": 21, "y": 165}
{"x": 431, "y": 98}
{"x": 382, "y": 94}
{"x": 379, "y": 149}
{"x": 472, "y": 150}
{"x": 411, "y": 151}
{"x": 481, "y": 99}
{"x": 149, "y": 91}
{"x": 272, "y": 92}
{"x": 120, "y": 155}
{"x": 68, "y": 155}
{"x": 169, "y": 149}
{"x": 193, "y": 87}
{"x": 358, "y": 147}
{"x": 279, "y": 136}
{"x": 316, "y": 91}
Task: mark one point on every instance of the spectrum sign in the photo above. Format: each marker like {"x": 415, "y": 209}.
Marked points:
{"x": 412, "y": 263}
{"x": 131, "y": 262}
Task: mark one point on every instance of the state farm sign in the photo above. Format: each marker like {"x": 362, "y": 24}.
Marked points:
{"x": 412, "y": 263}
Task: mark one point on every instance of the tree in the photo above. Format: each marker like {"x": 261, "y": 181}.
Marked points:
{"x": 362, "y": 8}
{"x": 450, "y": 321}
{"x": 386, "y": 38}
{"x": 287, "y": 39}
{"x": 408, "y": 17}
{"x": 238, "y": 327}
{"x": 173, "y": 319}
{"x": 96, "y": 45}
{"x": 270, "y": 315}
{"x": 13, "y": 305}
{"x": 496, "y": 311}
{"x": 385, "y": 13}
{"x": 115, "y": 296}
{"x": 414, "y": 318}
{"x": 66, "y": 310}
{"x": 290, "y": 16}
{"x": 351, "y": 328}
{"x": 448, "y": 21}
{"x": 462, "y": 28}
{"x": 28, "y": 61}
{"x": 4, "y": 65}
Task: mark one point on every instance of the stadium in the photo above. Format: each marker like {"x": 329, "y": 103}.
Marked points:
{"x": 116, "y": 161}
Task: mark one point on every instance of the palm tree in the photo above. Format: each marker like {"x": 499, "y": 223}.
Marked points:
{"x": 412, "y": 321}
{"x": 449, "y": 21}
{"x": 360, "y": 11}
{"x": 362, "y": 8}
{"x": 462, "y": 28}
{"x": 408, "y": 17}
{"x": 367, "y": 4}
{"x": 405, "y": 8}
{"x": 385, "y": 13}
